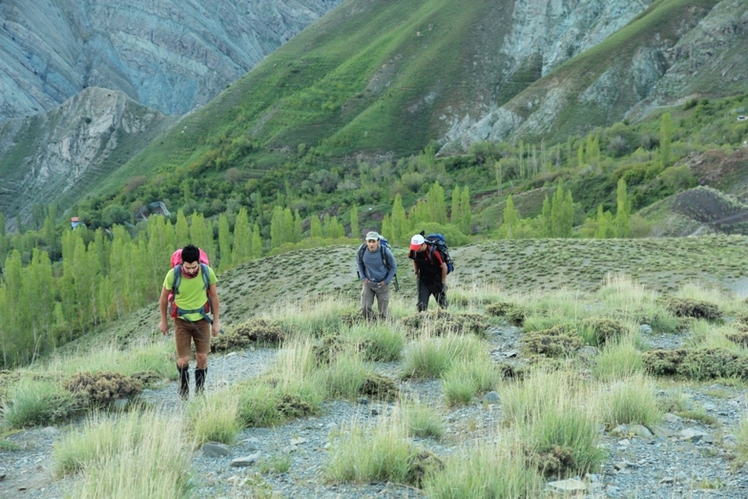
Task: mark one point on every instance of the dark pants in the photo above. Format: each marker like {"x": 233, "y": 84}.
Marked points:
{"x": 425, "y": 290}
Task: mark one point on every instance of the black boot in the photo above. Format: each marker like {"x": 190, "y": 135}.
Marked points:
{"x": 184, "y": 382}
{"x": 200, "y": 380}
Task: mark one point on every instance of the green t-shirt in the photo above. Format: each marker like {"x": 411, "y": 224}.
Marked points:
{"x": 191, "y": 294}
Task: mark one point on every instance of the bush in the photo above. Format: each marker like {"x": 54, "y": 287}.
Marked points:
{"x": 256, "y": 331}
{"x": 104, "y": 387}
{"x": 439, "y": 322}
{"x": 599, "y": 331}
{"x": 513, "y": 313}
{"x": 697, "y": 309}
{"x": 553, "y": 342}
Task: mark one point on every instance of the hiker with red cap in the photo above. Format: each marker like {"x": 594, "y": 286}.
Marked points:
{"x": 431, "y": 272}
{"x": 194, "y": 296}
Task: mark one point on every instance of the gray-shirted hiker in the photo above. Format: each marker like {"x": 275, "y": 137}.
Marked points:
{"x": 376, "y": 268}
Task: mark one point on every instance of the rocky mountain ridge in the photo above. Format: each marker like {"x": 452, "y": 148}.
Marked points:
{"x": 63, "y": 152}
{"x": 167, "y": 54}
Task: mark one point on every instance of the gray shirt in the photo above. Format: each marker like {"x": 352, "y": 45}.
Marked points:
{"x": 373, "y": 268}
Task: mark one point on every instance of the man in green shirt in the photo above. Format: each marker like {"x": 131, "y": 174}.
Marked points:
{"x": 191, "y": 322}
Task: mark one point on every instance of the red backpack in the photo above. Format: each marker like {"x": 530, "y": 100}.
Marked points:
{"x": 176, "y": 264}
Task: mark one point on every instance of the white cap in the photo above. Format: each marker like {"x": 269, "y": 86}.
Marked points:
{"x": 416, "y": 242}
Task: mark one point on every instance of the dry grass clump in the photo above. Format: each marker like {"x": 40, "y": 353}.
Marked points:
{"x": 256, "y": 331}
{"x": 513, "y": 313}
{"x": 599, "y": 331}
{"x": 331, "y": 346}
{"x": 738, "y": 337}
{"x": 687, "y": 307}
{"x": 554, "y": 342}
{"x": 104, "y": 387}
{"x": 698, "y": 364}
{"x": 380, "y": 387}
{"x": 440, "y": 322}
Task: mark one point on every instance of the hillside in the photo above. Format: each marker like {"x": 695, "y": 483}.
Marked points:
{"x": 165, "y": 54}
{"x": 694, "y": 446}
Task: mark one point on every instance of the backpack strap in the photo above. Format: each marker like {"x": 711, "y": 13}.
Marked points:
{"x": 177, "y": 278}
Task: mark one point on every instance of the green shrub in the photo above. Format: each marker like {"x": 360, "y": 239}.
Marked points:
{"x": 697, "y": 309}
{"x": 104, "y": 387}
{"x": 630, "y": 401}
{"x": 40, "y": 402}
{"x": 513, "y": 313}
{"x": 485, "y": 471}
{"x": 422, "y": 421}
{"x": 553, "y": 342}
{"x": 599, "y": 331}
{"x": 255, "y": 331}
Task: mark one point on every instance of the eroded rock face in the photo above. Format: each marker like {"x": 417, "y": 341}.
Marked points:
{"x": 54, "y": 156}
{"x": 171, "y": 55}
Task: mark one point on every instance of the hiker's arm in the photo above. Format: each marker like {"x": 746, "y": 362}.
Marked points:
{"x": 415, "y": 268}
{"x": 361, "y": 270}
{"x": 444, "y": 274}
{"x": 216, "y": 308}
{"x": 163, "y": 304}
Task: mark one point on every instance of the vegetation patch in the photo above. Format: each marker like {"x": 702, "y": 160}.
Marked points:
{"x": 380, "y": 387}
{"x": 331, "y": 346}
{"x": 440, "y": 322}
{"x": 513, "y": 313}
{"x": 687, "y": 307}
{"x": 698, "y": 364}
{"x": 555, "y": 461}
{"x": 419, "y": 465}
{"x": 256, "y": 331}
{"x": 104, "y": 387}
{"x": 292, "y": 406}
{"x": 738, "y": 337}
{"x": 600, "y": 331}
{"x": 553, "y": 342}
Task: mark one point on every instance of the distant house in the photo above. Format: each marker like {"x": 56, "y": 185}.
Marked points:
{"x": 74, "y": 222}
{"x": 159, "y": 208}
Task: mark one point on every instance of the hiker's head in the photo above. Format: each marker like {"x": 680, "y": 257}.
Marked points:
{"x": 190, "y": 260}
{"x": 190, "y": 254}
{"x": 417, "y": 243}
{"x": 372, "y": 241}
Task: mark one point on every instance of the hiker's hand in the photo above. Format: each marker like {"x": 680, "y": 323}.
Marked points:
{"x": 444, "y": 287}
{"x": 163, "y": 326}
{"x": 216, "y": 327}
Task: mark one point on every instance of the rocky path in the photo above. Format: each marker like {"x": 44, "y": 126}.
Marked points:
{"x": 688, "y": 458}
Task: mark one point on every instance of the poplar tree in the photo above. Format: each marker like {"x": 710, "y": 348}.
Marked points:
{"x": 331, "y": 228}
{"x": 241, "y": 251}
{"x": 315, "y": 227}
{"x": 18, "y": 334}
{"x": 511, "y": 218}
{"x": 276, "y": 227}
{"x": 224, "y": 241}
{"x": 546, "y": 219}
{"x": 355, "y": 231}
{"x": 399, "y": 223}
{"x": 297, "y": 224}
{"x": 605, "y": 226}
{"x": 255, "y": 249}
{"x": 562, "y": 213}
{"x": 387, "y": 227}
{"x": 3, "y": 239}
{"x": 623, "y": 209}
{"x": 437, "y": 206}
{"x": 456, "y": 214}
{"x": 288, "y": 236}
{"x": 182, "y": 230}
{"x": 466, "y": 220}
{"x": 666, "y": 133}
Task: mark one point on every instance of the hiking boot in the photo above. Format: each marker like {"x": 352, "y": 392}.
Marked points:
{"x": 200, "y": 380}
{"x": 184, "y": 382}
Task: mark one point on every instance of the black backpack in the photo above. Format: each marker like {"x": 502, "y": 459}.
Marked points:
{"x": 438, "y": 243}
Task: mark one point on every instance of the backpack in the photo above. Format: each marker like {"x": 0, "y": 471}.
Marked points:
{"x": 383, "y": 246}
{"x": 176, "y": 264}
{"x": 438, "y": 243}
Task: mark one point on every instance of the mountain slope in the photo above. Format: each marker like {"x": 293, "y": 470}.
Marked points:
{"x": 59, "y": 156}
{"x": 167, "y": 54}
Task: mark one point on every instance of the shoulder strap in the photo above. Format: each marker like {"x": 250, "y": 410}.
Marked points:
{"x": 383, "y": 252}
{"x": 206, "y": 275}
{"x": 177, "y": 278}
